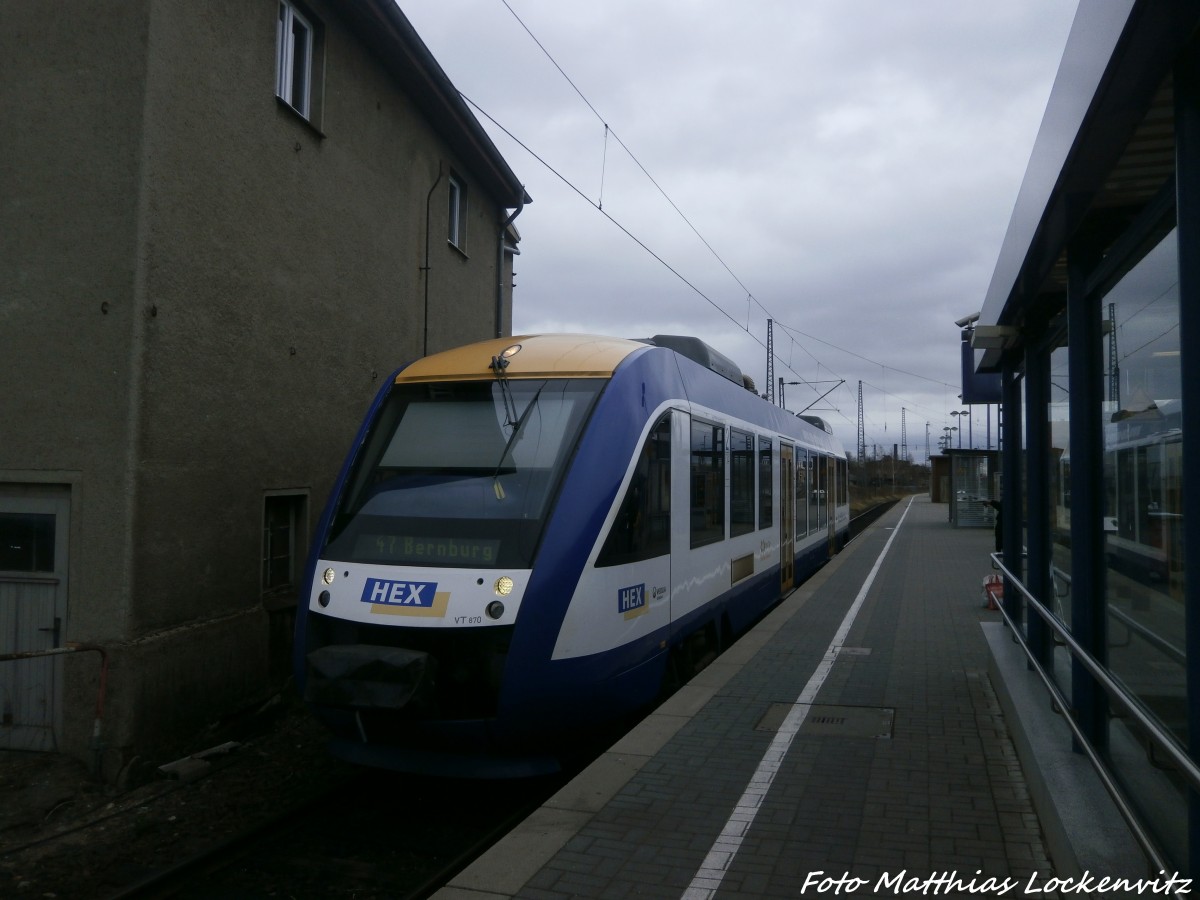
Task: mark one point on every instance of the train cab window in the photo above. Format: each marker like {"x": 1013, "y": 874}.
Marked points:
{"x": 460, "y": 473}
{"x": 707, "y": 483}
{"x": 741, "y": 482}
{"x": 642, "y": 528}
{"x": 766, "y": 482}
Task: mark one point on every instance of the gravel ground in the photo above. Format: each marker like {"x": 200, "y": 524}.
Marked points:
{"x": 62, "y": 835}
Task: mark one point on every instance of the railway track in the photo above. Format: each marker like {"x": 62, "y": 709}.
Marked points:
{"x": 374, "y": 834}
{"x": 867, "y": 516}
{"x": 378, "y": 834}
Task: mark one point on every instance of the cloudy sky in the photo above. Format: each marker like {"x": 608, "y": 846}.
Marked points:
{"x": 846, "y": 168}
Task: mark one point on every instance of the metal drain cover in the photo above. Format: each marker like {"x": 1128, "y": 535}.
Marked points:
{"x": 834, "y": 721}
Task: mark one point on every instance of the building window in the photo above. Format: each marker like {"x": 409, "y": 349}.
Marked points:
{"x": 294, "y": 59}
{"x": 26, "y": 542}
{"x": 284, "y": 524}
{"x": 708, "y": 483}
{"x": 457, "y": 218}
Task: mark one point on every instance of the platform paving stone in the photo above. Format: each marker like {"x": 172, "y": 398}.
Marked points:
{"x": 942, "y": 794}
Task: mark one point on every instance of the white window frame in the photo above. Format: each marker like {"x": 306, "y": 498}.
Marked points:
{"x": 457, "y": 225}
{"x": 293, "y": 36}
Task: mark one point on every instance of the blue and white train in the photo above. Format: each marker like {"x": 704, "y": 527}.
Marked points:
{"x": 532, "y": 536}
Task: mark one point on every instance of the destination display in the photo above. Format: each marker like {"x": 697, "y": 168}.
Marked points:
{"x": 427, "y": 551}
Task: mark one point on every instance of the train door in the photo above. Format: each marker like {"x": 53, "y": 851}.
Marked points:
{"x": 33, "y": 597}
{"x": 787, "y": 519}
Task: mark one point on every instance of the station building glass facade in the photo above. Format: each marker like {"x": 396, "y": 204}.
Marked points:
{"x": 1093, "y": 320}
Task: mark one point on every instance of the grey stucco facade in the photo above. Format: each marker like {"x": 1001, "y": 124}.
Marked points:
{"x": 200, "y": 292}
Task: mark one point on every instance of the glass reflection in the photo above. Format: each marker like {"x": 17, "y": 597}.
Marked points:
{"x": 1059, "y": 460}
{"x": 1143, "y": 475}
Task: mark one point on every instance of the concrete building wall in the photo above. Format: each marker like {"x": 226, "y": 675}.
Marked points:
{"x": 207, "y": 290}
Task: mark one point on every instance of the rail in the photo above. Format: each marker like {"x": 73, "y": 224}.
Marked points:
{"x": 1115, "y": 691}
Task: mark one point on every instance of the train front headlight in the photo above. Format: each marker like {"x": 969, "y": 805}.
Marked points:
{"x": 503, "y": 586}
{"x": 328, "y": 575}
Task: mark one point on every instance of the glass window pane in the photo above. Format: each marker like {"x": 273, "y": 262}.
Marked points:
{"x": 460, "y": 473}
{"x": 1060, "y": 483}
{"x": 803, "y": 479}
{"x": 1143, "y": 521}
{"x": 741, "y": 482}
{"x": 821, "y": 486}
{"x": 27, "y": 542}
{"x": 642, "y": 529}
{"x": 765, "y": 482}
{"x": 1144, "y": 484}
{"x": 708, "y": 483}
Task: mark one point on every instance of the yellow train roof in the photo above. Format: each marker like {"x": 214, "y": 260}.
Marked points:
{"x": 538, "y": 356}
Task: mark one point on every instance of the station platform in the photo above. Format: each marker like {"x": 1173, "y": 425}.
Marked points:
{"x": 853, "y": 735}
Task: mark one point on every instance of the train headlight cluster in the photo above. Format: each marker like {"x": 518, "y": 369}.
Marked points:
{"x": 504, "y": 586}
{"x": 328, "y": 575}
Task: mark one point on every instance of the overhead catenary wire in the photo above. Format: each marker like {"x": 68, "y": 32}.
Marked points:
{"x": 793, "y": 331}
{"x": 598, "y": 205}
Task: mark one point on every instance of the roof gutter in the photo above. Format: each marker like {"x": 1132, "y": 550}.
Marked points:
{"x": 501, "y": 243}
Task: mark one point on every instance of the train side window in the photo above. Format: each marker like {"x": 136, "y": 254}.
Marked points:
{"x": 642, "y": 529}
{"x": 820, "y": 488}
{"x": 802, "y": 480}
{"x": 741, "y": 482}
{"x": 707, "y": 483}
{"x": 766, "y": 484}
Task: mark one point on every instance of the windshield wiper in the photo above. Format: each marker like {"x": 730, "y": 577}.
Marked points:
{"x": 520, "y": 423}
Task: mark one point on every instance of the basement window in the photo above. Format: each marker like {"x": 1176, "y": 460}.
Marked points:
{"x": 284, "y": 525}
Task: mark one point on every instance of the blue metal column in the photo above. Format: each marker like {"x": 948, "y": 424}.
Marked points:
{"x": 1010, "y": 467}
{"x": 1038, "y": 500}
{"x": 1089, "y": 619}
{"x": 1187, "y": 182}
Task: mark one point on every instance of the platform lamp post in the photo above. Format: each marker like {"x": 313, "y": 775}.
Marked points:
{"x": 956, "y": 413}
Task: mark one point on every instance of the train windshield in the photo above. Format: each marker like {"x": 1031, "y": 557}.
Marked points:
{"x": 460, "y": 473}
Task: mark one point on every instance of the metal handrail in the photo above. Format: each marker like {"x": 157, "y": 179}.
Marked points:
{"x": 1116, "y": 692}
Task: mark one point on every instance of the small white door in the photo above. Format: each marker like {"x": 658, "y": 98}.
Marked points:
{"x": 33, "y": 598}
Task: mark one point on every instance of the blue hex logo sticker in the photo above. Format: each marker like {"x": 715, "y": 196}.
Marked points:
{"x": 631, "y": 601}
{"x": 405, "y": 598}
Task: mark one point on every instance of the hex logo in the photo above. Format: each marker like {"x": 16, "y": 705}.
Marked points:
{"x": 631, "y": 601}
{"x": 404, "y": 598}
